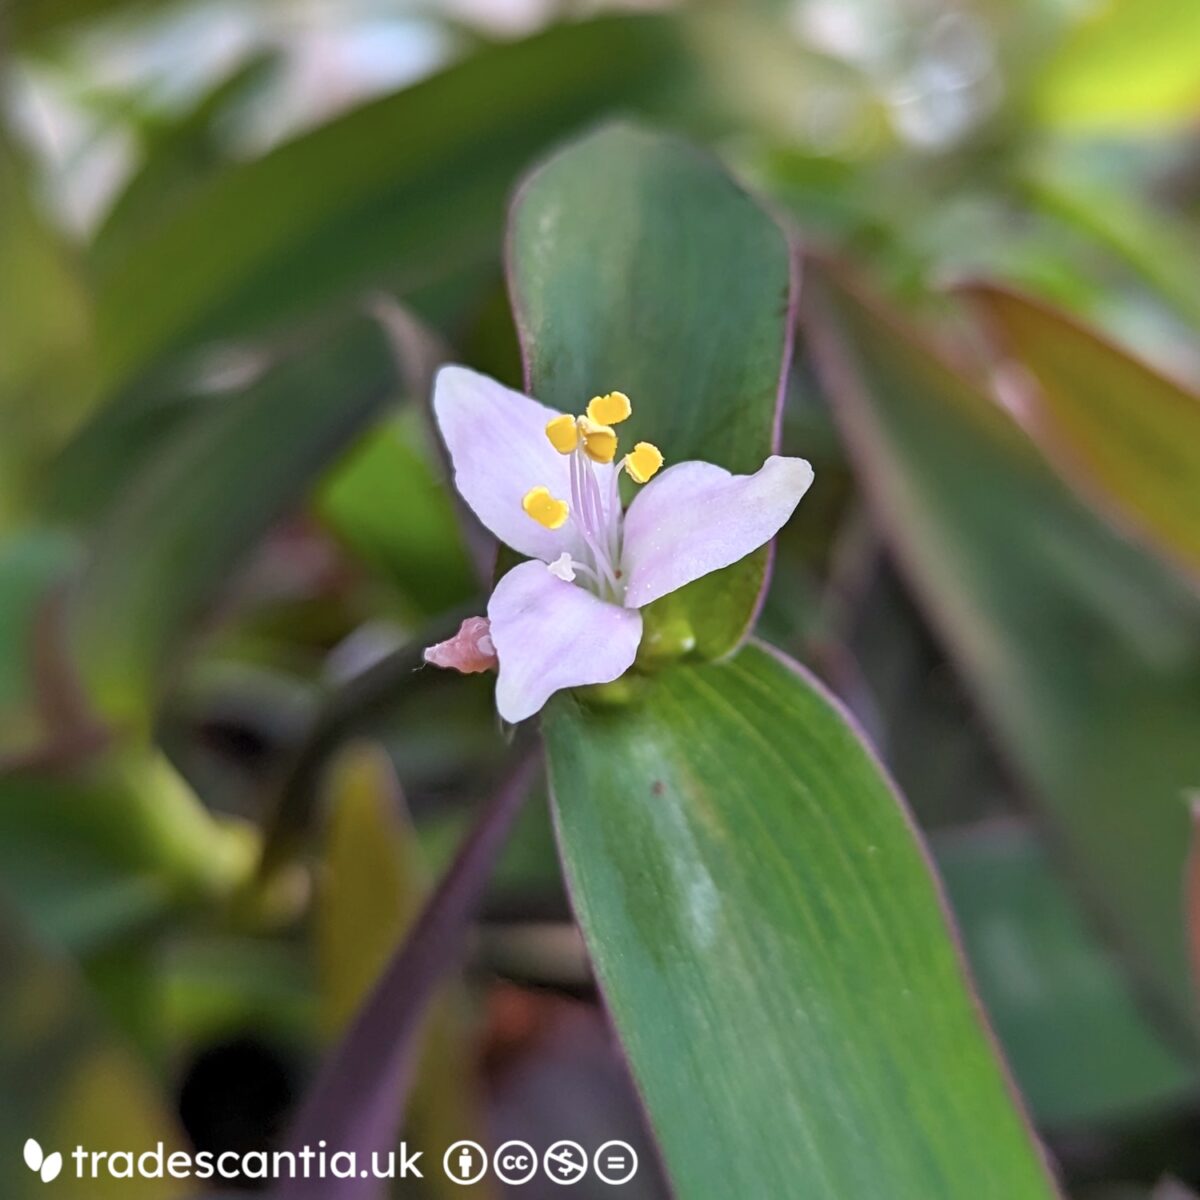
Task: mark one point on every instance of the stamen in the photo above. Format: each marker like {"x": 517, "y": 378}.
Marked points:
{"x": 562, "y": 568}
{"x": 643, "y": 462}
{"x": 599, "y": 441}
{"x": 563, "y": 433}
{"x": 584, "y": 494}
{"x": 544, "y": 508}
{"x": 614, "y": 516}
{"x": 611, "y": 409}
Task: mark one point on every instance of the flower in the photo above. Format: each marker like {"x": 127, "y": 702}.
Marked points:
{"x": 546, "y": 484}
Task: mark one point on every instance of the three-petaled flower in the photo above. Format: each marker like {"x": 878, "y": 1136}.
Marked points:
{"x": 546, "y": 484}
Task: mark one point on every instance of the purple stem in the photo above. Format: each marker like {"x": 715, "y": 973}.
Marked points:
{"x": 357, "y": 1101}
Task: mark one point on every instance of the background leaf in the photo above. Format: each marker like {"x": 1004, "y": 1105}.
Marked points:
{"x": 1129, "y": 63}
{"x": 1083, "y": 653}
{"x": 403, "y": 193}
{"x": 390, "y": 507}
{"x": 31, "y": 563}
{"x": 92, "y": 853}
{"x": 66, "y": 1080}
{"x": 373, "y": 889}
{"x": 45, "y": 332}
{"x": 773, "y": 949}
{"x": 185, "y": 522}
{"x": 357, "y": 1100}
{"x": 1129, "y": 435}
{"x": 1079, "y": 1047}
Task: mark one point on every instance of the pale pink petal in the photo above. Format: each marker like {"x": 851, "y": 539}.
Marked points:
{"x": 498, "y": 446}
{"x": 469, "y": 651}
{"x": 550, "y": 634}
{"x": 695, "y": 518}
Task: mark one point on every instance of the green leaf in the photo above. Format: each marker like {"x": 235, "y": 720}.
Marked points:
{"x": 179, "y": 152}
{"x": 44, "y": 337}
{"x": 66, "y": 1080}
{"x": 216, "y": 986}
{"x": 637, "y": 264}
{"x": 190, "y": 516}
{"x": 1128, "y": 435}
{"x": 1155, "y": 242}
{"x": 115, "y": 442}
{"x": 1129, "y": 64}
{"x": 91, "y": 854}
{"x": 401, "y": 193}
{"x": 374, "y": 881}
{"x": 773, "y": 947}
{"x": 1082, "y": 652}
{"x": 40, "y": 20}
{"x": 1079, "y": 1047}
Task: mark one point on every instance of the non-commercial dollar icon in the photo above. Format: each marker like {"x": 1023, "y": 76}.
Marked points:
{"x": 565, "y": 1162}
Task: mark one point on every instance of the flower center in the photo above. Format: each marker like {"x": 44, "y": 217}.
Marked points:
{"x": 595, "y": 507}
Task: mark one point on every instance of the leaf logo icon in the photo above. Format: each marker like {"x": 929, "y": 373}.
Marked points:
{"x": 48, "y": 1166}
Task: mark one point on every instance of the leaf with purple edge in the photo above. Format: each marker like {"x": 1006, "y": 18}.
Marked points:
{"x": 357, "y": 1100}
{"x": 1082, "y": 652}
{"x": 1129, "y": 436}
{"x": 774, "y": 949}
{"x": 636, "y": 263}
{"x": 373, "y": 887}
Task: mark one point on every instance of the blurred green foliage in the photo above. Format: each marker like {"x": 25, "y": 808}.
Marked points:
{"x": 226, "y": 530}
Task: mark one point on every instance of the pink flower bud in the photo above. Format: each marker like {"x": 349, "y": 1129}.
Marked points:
{"x": 469, "y": 651}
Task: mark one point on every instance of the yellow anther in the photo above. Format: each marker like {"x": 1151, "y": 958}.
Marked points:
{"x": 563, "y": 433}
{"x": 599, "y": 441}
{"x": 544, "y": 509}
{"x": 643, "y": 462}
{"x": 611, "y": 409}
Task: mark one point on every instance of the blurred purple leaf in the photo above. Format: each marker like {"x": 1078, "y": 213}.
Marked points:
{"x": 357, "y": 1101}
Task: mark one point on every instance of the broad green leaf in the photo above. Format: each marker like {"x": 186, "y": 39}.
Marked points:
{"x": 66, "y": 1080}
{"x": 773, "y": 948}
{"x": 400, "y": 193}
{"x": 637, "y": 264}
{"x": 1129, "y": 64}
{"x": 390, "y": 507}
{"x": 178, "y": 153}
{"x": 114, "y": 443}
{"x": 1078, "y": 1045}
{"x": 373, "y": 890}
{"x": 1130, "y": 436}
{"x": 200, "y": 504}
{"x": 1083, "y": 653}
